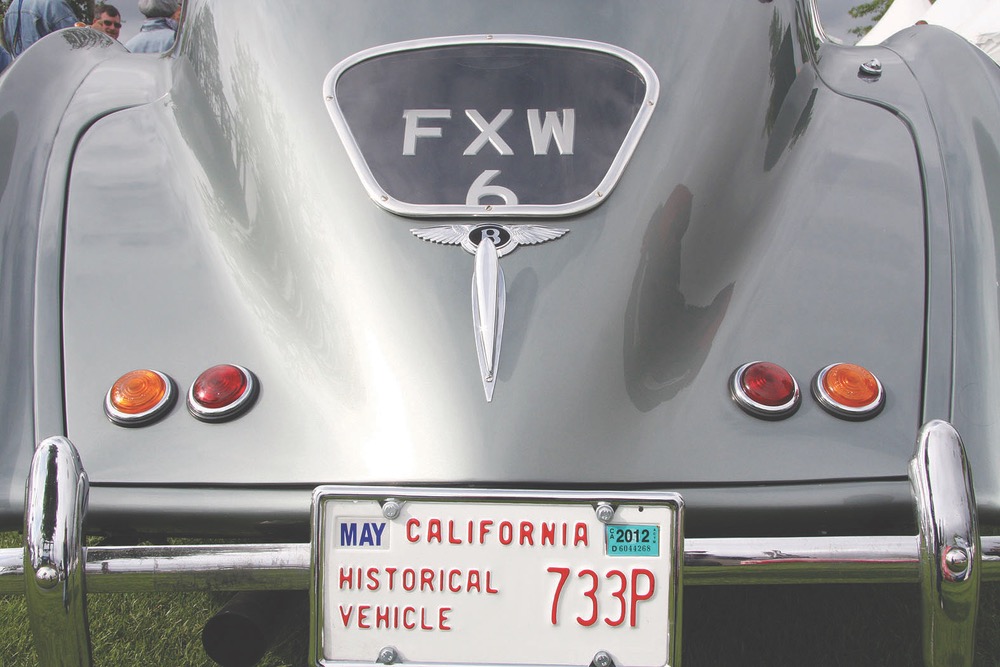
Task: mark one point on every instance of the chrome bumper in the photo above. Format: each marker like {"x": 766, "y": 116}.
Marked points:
{"x": 55, "y": 571}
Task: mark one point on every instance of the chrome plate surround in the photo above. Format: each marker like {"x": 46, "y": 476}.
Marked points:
{"x": 538, "y": 586}
{"x": 486, "y": 193}
{"x": 488, "y": 242}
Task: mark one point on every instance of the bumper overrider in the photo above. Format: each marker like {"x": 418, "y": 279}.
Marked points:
{"x": 947, "y": 558}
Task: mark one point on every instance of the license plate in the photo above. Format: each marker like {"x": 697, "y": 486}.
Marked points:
{"x": 440, "y": 577}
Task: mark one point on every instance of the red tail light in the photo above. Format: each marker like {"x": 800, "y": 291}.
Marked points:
{"x": 222, "y": 392}
{"x": 765, "y": 390}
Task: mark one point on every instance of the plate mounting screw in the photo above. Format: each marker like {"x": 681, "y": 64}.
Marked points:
{"x": 390, "y": 510}
{"x": 388, "y": 656}
{"x": 605, "y": 514}
{"x": 603, "y": 659}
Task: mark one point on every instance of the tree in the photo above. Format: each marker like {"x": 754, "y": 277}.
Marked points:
{"x": 876, "y": 9}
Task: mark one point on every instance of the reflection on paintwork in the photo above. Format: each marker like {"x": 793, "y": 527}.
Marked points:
{"x": 792, "y": 93}
{"x": 8, "y": 138}
{"x": 87, "y": 39}
{"x": 667, "y": 339}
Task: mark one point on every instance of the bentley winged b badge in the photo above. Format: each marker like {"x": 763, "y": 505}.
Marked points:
{"x": 488, "y": 242}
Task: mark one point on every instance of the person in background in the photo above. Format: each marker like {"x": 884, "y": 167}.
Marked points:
{"x": 160, "y": 28}
{"x": 27, "y": 21}
{"x": 5, "y": 59}
{"x": 108, "y": 20}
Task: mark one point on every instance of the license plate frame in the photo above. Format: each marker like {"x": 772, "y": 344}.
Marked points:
{"x": 461, "y": 557}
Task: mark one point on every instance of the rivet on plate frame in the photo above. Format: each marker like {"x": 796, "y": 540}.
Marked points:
{"x": 603, "y": 659}
{"x": 605, "y": 512}
{"x": 391, "y": 508}
{"x": 388, "y": 656}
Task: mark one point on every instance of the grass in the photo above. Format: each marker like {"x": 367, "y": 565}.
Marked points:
{"x": 819, "y": 626}
{"x": 141, "y": 629}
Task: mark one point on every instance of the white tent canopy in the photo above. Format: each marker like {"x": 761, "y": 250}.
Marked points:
{"x": 976, "y": 20}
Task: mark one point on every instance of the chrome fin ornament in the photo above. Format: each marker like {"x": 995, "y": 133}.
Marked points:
{"x": 488, "y": 242}
{"x": 489, "y": 300}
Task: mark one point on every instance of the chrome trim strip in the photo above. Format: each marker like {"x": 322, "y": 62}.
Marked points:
{"x": 386, "y": 201}
{"x": 55, "y": 505}
{"x": 949, "y": 544}
{"x": 815, "y": 25}
{"x": 259, "y": 567}
{"x": 845, "y": 412}
{"x": 713, "y": 561}
{"x": 141, "y": 419}
{"x": 170, "y": 568}
{"x": 801, "y": 560}
{"x": 756, "y": 409}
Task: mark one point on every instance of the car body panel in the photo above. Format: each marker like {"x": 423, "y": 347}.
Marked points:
{"x": 304, "y": 281}
{"x": 329, "y": 311}
{"x": 784, "y": 211}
